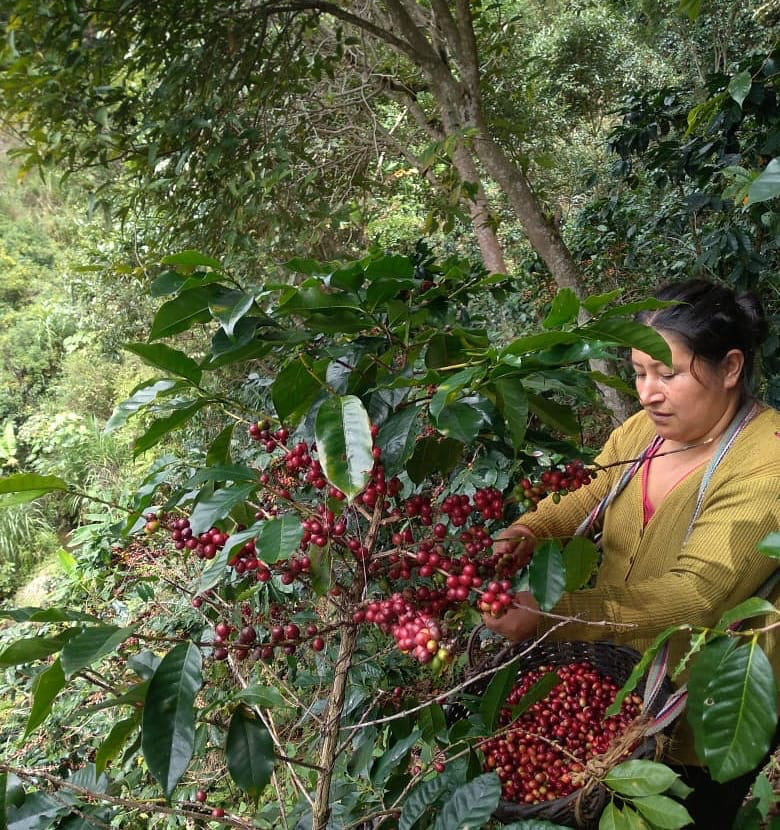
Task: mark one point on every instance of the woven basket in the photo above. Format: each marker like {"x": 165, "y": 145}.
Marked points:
{"x": 582, "y": 808}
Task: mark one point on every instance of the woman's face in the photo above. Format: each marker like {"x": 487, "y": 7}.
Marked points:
{"x": 684, "y": 406}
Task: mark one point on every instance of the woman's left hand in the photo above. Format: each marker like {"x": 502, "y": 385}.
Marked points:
{"x": 519, "y": 622}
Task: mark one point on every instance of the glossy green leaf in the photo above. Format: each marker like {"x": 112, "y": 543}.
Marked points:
{"x": 168, "y": 283}
{"x": 34, "y": 614}
{"x": 279, "y": 538}
{"x": 433, "y": 455}
{"x": 381, "y": 291}
{"x": 144, "y": 395}
{"x": 767, "y": 185}
{"x": 223, "y": 472}
{"x": 249, "y": 752}
{"x": 432, "y": 722}
{"x": 580, "y": 559}
{"x": 31, "y": 485}
{"x": 168, "y": 726}
{"x": 390, "y": 265}
{"x": 162, "y": 426}
{"x": 662, "y": 812}
{"x": 344, "y": 444}
{"x": 563, "y": 310}
{"x": 92, "y": 644}
{"x": 420, "y": 800}
{"x": 538, "y": 691}
{"x": 770, "y": 545}
{"x": 229, "y": 308}
{"x": 397, "y": 437}
{"x": 536, "y": 342}
{"x": 739, "y": 86}
{"x": 595, "y": 303}
{"x": 739, "y": 713}
{"x": 513, "y": 405}
{"x": 752, "y": 607}
{"x": 46, "y": 686}
{"x": 38, "y": 811}
{"x": 320, "y": 569}
{"x": 470, "y": 805}
{"x": 640, "y": 777}
{"x": 392, "y": 758}
{"x": 191, "y": 259}
{"x": 634, "y": 335}
{"x": 612, "y": 818}
{"x": 34, "y": 648}
{"x": 639, "y": 669}
{"x": 559, "y": 417}
{"x": 450, "y": 388}
{"x": 496, "y": 693}
{"x": 267, "y": 697}
{"x": 547, "y": 574}
{"x": 706, "y": 666}
{"x": 218, "y": 505}
{"x": 297, "y": 386}
{"x": 182, "y": 313}
{"x": 460, "y": 422}
{"x": 171, "y": 361}
{"x": 218, "y": 454}
{"x": 113, "y": 742}
{"x": 763, "y": 791}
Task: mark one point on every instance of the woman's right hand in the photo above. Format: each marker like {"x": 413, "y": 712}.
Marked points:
{"x": 517, "y": 539}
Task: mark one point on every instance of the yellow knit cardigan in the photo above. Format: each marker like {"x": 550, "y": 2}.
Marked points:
{"x": 648, "y": 578}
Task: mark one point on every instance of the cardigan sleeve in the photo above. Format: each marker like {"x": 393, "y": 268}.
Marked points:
{"x": 719, "y": 567}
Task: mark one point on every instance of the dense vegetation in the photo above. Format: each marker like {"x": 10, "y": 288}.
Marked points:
{"x": 337, "y": 272}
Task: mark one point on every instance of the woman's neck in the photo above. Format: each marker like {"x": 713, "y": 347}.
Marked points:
{"x": 704, "y": 445}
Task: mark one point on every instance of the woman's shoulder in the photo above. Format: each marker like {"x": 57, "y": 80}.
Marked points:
{"x": 759, "y": 444}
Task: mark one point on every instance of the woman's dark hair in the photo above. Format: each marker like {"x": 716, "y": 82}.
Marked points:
{"x": 711, "y": 319}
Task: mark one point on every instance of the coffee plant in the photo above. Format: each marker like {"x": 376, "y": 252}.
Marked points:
{"x": 307, "y": 582}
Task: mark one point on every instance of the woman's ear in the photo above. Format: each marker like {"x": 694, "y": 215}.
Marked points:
{"x": 732, "y": 365}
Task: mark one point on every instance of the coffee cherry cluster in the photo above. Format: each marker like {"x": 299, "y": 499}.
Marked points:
{"x": 204, "y": 546}
{"x": 556, "y": 482}
{"x": 247, "y": 644}
{"x": 542, "y": 753}
{"x": 270, "y": 440}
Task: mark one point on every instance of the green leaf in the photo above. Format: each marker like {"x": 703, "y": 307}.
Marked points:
{"x": 763, "y": 791}
{"x": 38, "y": 811}
{"x": 28, "y": 486}
{"x": 740, "y": 713}
{"x": 267, "y": 697}
{"x": 612, "y": 818}
{"x": 691, "y": 8}
{"x": 297, "y": 386}
{"x": 279, "y": 538}
{"x": 144, "y": 395}
{"x": 249, "y": 752}
{"x": 162, "y": 426}
{"x": 343, "y": 436}
{"x": 638, "y": 777}
{"x": 182, "y": 312}
{"x": 460, "y": 421}
{"x": 706, "y": 666}
{"x": 554, "y": 414}
{"x": 420, "y": 800}
{"x": 563, "y": 310}
{"x": 396, "y": 439}
{"x": 471, "y": 805}
{"x": 432, "y": 722}
{"x": 168, "y": 283}
{"x": 93, "y": 643}
{"x": 597, "y": 302}
{"x": 767, "y": 185}
{"x": 449, "y": 388}
{"x": 229, "y": 308}
{"x": 168, "y": 726}
{"x": 115, "y": 740}
{"x": 662, "y": 811}
{"x": 392, "y": 758}
{"x": 739, "y": 86}
{"x": 547, "y": 575}
{"x": 169, "y": 360}
{"x": 580, "y": 559}
{"x": 320, "y": 569}
{"x": 390, "y": 265}
{"x": 639, "y": 669}
{"x": 34, "y": 648}
{"x": 218, "y": 505}
{"x": 752, "y": 607}
{"x": 32, "y": 614}
{"x": 46, "y": 686}
{"x": 433, "y": 455}
{"x": 629, "y": 333}
{"x": 513, "y": 405}
{"x": 191, "y": 259}
{"x": 538, "y": 691}
{"x": 770, "y": 545}
{"x": 218, "y": 454}
{"x": 496, "y": 693}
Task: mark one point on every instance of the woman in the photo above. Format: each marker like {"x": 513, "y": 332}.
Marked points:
{"x": 680, "y": 532}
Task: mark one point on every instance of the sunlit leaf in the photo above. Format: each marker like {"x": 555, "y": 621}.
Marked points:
{"x": 344, "y": 443}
